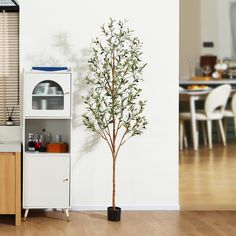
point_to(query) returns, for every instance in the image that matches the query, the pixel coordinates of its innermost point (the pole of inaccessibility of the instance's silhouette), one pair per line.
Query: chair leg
(181, 134)
(222, 132)
(218, 133)
(225, 126)
(185, 140)
(197, 134)
(204, 133)
(209, 133)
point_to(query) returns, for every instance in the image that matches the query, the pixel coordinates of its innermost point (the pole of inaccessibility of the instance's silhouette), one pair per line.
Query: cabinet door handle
(65, 180)
(66, 93)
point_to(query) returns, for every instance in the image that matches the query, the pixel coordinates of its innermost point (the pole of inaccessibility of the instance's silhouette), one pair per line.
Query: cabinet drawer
(46, 181)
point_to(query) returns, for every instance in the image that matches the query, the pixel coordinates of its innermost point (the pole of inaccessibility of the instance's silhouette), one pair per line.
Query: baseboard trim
(128, 208)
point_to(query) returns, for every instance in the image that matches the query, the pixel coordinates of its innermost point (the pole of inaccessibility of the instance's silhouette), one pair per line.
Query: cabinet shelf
(48, 118)
(47, 95)
(56, 154)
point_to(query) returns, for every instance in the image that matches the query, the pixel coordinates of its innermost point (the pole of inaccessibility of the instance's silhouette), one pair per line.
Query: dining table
(192, 96)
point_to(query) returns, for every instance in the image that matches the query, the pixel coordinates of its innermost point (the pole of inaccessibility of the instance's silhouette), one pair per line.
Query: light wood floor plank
(145, 223)
(208, 178)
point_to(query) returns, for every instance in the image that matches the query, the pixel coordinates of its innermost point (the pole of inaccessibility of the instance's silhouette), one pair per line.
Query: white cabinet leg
(67, 214)
(26, 214)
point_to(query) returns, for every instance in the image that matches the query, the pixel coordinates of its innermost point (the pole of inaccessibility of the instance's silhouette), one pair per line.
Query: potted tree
(114, 108)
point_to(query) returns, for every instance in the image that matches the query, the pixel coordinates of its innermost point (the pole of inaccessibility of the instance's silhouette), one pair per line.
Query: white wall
(224, 34)
(56, 32)
(209, 25)
(10, 133)
(215, 26)
(190, 37)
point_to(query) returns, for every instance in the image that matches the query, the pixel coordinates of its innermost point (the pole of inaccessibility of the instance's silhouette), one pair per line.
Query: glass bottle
(41, 143)
(198, 70)
(37, 144)
(31, 142)
(48, 137)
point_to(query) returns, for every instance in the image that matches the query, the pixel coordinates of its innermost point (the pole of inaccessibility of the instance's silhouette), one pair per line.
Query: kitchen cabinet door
(46, 181)
(7, 183)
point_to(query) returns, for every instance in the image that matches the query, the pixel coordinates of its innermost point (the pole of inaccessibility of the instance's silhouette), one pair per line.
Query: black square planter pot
(113, 215)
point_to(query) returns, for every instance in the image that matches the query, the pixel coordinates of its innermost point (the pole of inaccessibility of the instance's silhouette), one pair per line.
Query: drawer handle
(65, 180)
(66, 93)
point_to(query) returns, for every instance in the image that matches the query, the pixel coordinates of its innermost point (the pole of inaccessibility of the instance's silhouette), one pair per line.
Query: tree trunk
(113, 181)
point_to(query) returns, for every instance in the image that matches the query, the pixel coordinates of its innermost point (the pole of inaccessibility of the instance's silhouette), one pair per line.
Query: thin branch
(104, 135)
(105, 78)
(126, 140)
(109, 135)
(109, 145)
(121, 142)
(118, 127)
(109, 132)
(121, 81)
(100, 134)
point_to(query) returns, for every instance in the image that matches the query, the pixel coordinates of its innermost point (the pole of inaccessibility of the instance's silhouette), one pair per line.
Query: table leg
(193, 122)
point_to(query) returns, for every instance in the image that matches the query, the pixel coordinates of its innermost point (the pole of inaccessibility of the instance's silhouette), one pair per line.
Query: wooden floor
(208, 178)
(168, 223)
(207, 181)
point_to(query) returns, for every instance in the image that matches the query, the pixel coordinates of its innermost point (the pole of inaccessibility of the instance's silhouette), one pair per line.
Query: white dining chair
(185, 140)
(230, 113)
(214, 107)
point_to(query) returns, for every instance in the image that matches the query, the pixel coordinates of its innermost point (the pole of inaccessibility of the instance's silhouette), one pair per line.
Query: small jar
(58, 138)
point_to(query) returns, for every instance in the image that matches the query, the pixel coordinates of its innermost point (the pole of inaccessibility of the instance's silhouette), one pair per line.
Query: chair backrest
(217, 99)
(233, 104)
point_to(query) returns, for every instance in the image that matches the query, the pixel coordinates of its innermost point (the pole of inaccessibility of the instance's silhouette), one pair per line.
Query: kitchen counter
(9, 146)
(209, 82)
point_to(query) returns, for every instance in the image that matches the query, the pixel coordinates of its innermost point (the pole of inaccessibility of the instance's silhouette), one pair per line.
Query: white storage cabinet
(47, 105)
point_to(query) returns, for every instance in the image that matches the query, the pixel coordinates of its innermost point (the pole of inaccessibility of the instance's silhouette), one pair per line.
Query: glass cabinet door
(47, 94)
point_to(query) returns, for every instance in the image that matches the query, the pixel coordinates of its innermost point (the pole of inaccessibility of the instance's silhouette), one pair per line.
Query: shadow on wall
(79, 65)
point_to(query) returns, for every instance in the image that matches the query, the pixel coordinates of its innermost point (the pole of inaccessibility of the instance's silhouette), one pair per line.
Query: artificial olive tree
(114, 108)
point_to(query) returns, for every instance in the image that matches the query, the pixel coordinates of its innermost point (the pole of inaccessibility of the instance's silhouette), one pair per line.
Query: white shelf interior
(54, 126)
